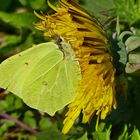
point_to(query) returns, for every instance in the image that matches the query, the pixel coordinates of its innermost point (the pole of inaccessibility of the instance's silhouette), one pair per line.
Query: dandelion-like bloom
(96, 92)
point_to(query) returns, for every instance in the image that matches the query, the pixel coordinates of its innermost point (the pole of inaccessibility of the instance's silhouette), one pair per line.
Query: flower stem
(18, 122)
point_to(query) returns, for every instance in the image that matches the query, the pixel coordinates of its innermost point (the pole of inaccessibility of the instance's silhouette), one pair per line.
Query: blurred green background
(17, 33)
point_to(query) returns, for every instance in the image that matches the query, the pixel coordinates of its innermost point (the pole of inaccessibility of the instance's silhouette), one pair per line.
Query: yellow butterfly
(96, 92)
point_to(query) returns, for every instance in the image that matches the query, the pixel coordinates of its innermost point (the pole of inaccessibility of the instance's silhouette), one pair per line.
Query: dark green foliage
(17, 33)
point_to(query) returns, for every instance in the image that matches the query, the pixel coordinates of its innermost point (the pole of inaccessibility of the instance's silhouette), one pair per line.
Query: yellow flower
(96, 93)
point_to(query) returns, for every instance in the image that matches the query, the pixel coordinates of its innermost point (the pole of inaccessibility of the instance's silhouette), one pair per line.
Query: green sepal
(132, 43)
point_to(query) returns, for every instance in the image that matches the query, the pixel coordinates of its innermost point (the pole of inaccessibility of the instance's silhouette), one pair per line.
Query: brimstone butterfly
(42, 76)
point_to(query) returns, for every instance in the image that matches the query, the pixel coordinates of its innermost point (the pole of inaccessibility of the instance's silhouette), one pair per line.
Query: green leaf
(29, 113)
(23, 2)
(30, 121)
(3, 105)
(84, 137)
(135, 135)
(10, 99)
(11, 39)
(6, 125)
(52, 133)
(102, 135)
(44, 123)
(38, 4)
(96, 6)
(18, 103)
(35, 4)
(45, 77)
(9, 42)
(5, 4)
(18, 20)
(124, 135)
(127, 10)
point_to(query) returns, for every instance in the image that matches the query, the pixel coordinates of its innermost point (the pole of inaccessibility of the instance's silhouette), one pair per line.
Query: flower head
(96, 92)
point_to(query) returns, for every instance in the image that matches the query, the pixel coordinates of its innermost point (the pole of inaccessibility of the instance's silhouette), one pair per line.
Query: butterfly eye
(58, 40)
